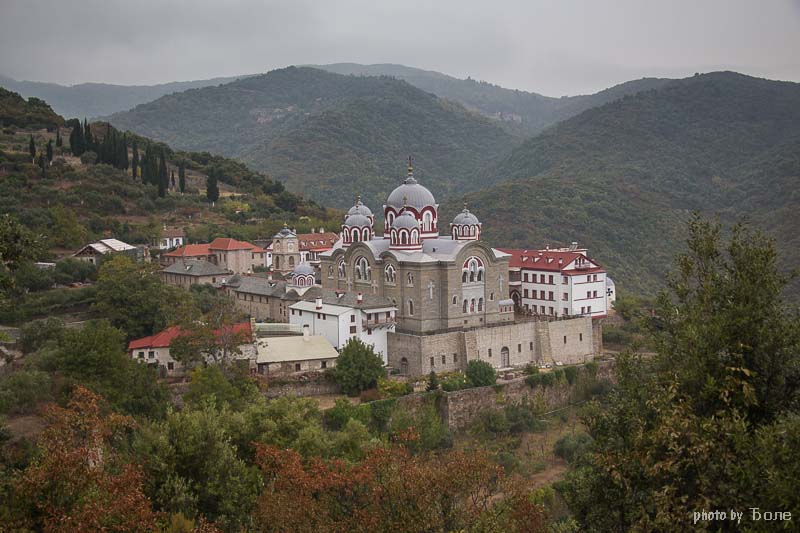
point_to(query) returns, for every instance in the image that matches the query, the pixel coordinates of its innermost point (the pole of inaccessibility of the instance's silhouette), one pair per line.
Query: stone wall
(461, 408)
(299, 389)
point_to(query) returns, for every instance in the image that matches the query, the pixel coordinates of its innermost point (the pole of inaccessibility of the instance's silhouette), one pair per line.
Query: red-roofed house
(240, 257)
(154, 350)
(560, 282)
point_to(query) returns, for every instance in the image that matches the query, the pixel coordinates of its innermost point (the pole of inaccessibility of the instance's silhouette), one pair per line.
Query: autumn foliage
(390, 490)
(78, 482)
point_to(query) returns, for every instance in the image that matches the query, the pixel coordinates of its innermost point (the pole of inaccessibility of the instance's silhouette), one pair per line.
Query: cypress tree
(59, 142)
(182, 176)
(76, 141)
(32, 149)
(163, 176)
(172, 179)
(88, 140)
(135, 159)
(123, 153)
(212, 190)
(50, 151)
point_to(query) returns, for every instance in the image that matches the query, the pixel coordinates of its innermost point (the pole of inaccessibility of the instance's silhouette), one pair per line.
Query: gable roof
(547, 260)
(195, 267)
(317, 241)
(107, 246)
(228, 244)
(294, 348)
(163, 339)
(190, 250)
(173, 232)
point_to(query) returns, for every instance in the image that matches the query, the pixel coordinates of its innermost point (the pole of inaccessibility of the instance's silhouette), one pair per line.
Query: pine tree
(32, 149)
(50, 151)
(212, 190)
(135, 159)
(182, 176)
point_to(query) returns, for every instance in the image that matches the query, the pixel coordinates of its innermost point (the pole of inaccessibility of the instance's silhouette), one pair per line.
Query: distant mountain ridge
(89, 100)
(328, 135)
(522, 111)
(623, 178)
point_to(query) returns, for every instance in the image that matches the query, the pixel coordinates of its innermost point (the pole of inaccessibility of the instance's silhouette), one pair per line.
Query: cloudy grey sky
(553, 47)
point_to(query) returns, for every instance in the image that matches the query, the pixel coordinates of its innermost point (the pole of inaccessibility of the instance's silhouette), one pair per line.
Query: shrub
(88, 158)
(393, 388)
(531, 369)
(358, 368)
(572, 448)
(21, 391)
(494, 421)
(571, 373)
(433, 382)
(548, 379)
(37, 333)
(369, 395)
(454, 382)
(480, 373)
(337, 416)
(521, 418)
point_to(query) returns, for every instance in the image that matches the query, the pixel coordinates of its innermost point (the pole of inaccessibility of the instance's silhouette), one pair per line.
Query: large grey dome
(412, 194)
(405, 221)
(360, 209)
(465, 218)
(303, 269)
(357, 221)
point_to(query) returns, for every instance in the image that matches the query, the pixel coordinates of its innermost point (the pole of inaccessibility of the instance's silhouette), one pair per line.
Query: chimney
(313, 230)
(360, 298)
(306, 332)
(321, 229)
(318, 303)
(269, 276)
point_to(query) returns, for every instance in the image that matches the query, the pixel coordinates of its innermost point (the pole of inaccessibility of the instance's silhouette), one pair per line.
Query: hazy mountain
(623, 178)
(99, 99)
(328, 135)
(521, 111)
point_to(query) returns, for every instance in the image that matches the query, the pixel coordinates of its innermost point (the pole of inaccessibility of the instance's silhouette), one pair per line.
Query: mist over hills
(623, 178)
(98, 99)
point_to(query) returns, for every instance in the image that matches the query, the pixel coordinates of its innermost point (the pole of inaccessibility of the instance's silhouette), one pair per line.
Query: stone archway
(404, 366)
(517, 300)
(505, 359)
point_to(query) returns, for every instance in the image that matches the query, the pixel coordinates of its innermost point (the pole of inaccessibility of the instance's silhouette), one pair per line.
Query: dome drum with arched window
(303, 275)
(405, 233)
(465, 227)
(413, 198)
(357, 225)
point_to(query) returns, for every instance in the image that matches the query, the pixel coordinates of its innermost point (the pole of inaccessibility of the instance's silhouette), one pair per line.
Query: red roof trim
(164, 338)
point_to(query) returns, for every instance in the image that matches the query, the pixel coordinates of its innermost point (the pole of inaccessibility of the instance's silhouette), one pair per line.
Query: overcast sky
(552, 47)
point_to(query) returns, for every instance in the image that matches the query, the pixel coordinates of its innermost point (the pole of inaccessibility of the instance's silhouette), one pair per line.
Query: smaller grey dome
(405, 220)
(285, 232)
(465, 218)
(360, 209)
(357, 221)
(303, 269)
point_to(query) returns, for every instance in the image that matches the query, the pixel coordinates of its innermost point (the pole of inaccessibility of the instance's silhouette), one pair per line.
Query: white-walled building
(562, 282)
(289, 354)
(170, 238)
(341, 316)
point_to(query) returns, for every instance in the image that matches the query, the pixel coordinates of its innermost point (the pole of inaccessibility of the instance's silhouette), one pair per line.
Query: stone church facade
(451, 291)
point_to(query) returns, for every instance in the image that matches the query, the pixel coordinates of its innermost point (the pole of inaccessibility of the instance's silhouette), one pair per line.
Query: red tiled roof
(164, 338)
(546, 260)
(321, 241)
(173, 232)
(159, 340)
(227, 244)
(190, 250)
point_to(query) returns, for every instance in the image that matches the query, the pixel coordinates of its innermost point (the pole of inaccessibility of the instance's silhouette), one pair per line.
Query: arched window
(403, 237)
(471, 276)
(427, 221)
(365, 234)
(414, 237)
(289, 246)
(411, 308)
(480, 275)
(472, 231)
(291, 262)
(330, 271)
(404, 366)
(410, 279)
(341, 268)
(277, 262)
(363, 270)
(455, 299)
(464, 307)
(464, 277)
(389, 274)
(472, 306)
(455, 232)
(480, 304)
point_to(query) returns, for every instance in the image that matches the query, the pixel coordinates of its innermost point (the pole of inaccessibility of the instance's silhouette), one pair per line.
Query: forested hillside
(99, 99)
(328, 135)
(33, 113)
(624, 177)
(520, 111)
